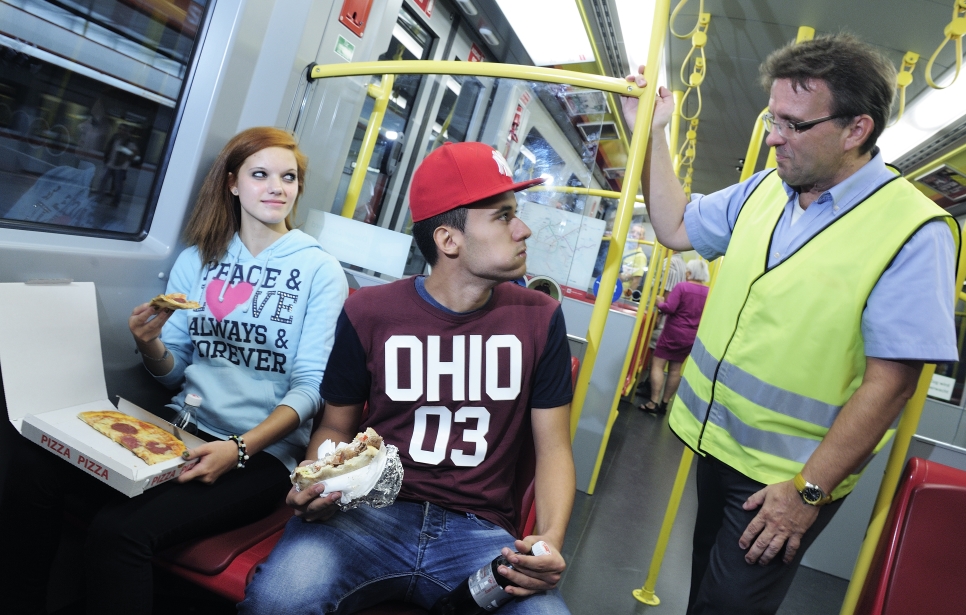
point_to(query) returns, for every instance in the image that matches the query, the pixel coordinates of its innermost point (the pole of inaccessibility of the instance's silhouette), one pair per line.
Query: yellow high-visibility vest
(779, 351)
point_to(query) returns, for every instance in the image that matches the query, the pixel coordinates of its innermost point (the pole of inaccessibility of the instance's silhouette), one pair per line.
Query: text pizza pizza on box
(50, 359)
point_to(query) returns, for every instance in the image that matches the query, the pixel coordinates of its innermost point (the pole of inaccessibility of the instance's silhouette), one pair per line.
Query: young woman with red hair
(254, 351)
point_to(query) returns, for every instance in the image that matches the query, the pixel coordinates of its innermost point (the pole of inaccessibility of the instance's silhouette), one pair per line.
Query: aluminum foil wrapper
(386, 488)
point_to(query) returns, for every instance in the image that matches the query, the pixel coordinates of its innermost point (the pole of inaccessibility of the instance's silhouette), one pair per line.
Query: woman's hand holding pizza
(146, 322)
(214, 459)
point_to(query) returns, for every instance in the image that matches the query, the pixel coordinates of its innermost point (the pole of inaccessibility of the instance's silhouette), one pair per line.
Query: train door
(422, 112)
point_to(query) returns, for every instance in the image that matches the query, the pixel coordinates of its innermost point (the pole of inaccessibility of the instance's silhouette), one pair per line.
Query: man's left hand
(784, 517)
(532, 573)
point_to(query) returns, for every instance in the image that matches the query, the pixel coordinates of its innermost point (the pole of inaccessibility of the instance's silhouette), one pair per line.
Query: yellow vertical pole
(653, 280)
(381, 95)
(897, 458)
(625, 209)
(645, 309)
(754, 147)
(887, 489)
(646, 593)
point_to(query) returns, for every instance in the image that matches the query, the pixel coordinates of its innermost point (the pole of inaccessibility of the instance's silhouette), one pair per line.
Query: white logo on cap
(502, 164)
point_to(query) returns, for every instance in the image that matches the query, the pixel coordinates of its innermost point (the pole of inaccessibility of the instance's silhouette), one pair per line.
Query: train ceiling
(742, 33)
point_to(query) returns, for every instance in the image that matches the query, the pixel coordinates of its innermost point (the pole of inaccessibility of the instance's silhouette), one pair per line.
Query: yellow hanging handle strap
(698, 40)
(674, 15)
(904, 79)
(687, 149)
(953, 31)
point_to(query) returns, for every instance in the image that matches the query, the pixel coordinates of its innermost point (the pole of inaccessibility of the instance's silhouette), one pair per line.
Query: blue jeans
(408, 551)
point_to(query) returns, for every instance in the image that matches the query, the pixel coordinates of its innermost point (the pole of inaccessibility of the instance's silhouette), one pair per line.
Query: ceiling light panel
(931, 112)
(551, 31)
(635, 17)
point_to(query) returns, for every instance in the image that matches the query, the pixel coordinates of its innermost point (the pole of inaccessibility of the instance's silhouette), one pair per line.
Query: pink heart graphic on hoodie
(234, 296)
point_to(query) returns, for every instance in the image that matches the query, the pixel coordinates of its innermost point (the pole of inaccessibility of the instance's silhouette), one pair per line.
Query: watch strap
(801, 485)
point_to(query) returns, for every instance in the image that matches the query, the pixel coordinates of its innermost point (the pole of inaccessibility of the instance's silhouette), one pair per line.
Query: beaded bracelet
(242, 450)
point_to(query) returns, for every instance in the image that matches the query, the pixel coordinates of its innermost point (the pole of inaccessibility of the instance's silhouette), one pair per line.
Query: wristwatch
(811, 494)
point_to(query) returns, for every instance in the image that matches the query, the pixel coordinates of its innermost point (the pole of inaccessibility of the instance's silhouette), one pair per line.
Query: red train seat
(225, 563)
(919, 562)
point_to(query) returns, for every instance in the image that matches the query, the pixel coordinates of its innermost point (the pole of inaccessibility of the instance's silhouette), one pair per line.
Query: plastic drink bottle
(185, 420)
(483, 591)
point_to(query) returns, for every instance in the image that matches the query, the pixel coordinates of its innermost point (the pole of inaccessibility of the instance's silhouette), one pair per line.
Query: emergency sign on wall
(426, 6)
(354, 15)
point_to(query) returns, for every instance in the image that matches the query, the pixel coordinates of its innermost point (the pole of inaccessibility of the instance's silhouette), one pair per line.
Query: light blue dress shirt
(909, 314)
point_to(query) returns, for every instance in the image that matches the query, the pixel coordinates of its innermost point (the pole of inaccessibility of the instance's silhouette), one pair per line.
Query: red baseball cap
(457, 174)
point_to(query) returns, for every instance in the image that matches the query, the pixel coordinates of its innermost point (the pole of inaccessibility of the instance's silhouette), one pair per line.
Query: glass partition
(88, 98)
(950, 377)
(543, 130)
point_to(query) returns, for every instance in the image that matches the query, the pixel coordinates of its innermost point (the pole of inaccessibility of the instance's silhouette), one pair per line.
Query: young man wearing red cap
(469, 376)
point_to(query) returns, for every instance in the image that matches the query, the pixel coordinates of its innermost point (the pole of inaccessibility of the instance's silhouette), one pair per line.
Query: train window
(89, 92)
(948, 382)
(460, 101)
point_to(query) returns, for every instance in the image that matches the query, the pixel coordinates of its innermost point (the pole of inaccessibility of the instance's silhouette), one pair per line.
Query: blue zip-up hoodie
(261, 337)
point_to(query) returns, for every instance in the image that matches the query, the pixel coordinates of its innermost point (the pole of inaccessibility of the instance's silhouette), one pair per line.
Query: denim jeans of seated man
(407, 551)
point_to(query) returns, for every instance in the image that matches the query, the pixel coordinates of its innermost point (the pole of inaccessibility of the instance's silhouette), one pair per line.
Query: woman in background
(683, 308)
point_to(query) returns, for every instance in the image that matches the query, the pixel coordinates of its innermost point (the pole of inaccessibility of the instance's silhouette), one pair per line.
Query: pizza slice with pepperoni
(174, 301)
(147, 441)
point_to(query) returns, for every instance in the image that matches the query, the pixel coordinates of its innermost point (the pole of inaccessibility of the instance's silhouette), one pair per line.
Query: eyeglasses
(786, 127)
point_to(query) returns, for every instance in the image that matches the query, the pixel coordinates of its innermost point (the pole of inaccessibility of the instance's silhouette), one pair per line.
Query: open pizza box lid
(50, 358)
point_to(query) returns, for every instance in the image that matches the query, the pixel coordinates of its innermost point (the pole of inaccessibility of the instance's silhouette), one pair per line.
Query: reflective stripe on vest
(779, 351)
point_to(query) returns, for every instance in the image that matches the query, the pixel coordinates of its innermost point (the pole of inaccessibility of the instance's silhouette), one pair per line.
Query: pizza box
(50, 359)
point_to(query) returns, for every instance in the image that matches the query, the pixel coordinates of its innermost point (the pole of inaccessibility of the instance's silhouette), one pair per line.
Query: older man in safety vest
(837, 286)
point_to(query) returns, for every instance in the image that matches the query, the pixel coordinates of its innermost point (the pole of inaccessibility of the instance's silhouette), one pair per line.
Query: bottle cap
(192, 400)
(540, 548)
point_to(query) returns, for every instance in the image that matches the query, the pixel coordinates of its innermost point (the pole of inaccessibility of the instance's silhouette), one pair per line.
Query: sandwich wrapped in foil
(375, 485)
(387, 486)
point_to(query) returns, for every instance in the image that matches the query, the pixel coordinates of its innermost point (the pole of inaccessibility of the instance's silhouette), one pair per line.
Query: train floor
(612, 534)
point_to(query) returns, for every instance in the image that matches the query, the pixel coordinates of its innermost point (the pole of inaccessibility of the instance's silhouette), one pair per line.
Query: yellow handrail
(635, 159)
(897, 458)
(644, 310)
(381, 94)
(936, 163)
(953, 31)
(754, 147)
(607, 194)
(477, 69)
(625, 209)
(646, 593)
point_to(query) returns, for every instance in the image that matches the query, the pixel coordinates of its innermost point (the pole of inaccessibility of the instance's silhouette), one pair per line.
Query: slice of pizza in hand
(147, 441)
(174, 301)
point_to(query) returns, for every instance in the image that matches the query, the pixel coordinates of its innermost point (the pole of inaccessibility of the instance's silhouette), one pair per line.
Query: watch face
(812, 495)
